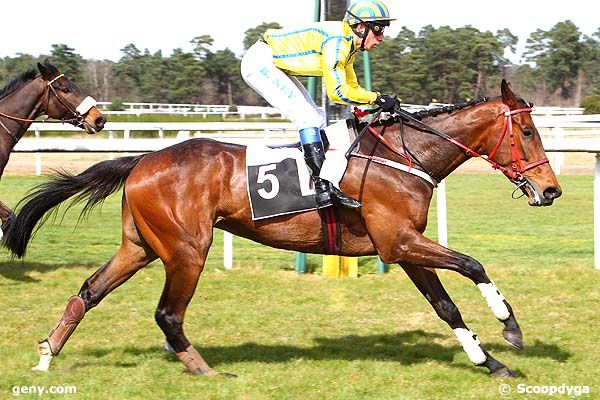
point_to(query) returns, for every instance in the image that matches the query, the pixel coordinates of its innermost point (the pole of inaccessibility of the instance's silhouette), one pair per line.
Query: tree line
(560, 66)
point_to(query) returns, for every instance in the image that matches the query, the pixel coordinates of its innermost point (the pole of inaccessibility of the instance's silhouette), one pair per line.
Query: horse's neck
(25, 103)
(439, 156)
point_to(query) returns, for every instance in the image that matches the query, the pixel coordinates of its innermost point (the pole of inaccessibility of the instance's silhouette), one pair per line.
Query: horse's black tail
(94, 185)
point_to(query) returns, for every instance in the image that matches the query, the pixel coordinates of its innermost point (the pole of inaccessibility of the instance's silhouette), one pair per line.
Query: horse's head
(520, 153)
(65, 100)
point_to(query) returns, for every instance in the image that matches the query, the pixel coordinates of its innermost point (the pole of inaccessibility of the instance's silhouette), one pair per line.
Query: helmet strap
(363, 35)
(357, 33)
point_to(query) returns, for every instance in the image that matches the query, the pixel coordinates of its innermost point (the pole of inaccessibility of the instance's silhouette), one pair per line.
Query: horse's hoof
(227, 375)
(216, 374)
(39, 368)
(515, 339)
(503, 372)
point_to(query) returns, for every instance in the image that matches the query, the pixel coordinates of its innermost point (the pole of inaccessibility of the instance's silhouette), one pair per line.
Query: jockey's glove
(386, 102)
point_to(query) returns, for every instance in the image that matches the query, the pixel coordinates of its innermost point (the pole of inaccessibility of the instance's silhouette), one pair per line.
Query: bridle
(514, 173)
(78, 113)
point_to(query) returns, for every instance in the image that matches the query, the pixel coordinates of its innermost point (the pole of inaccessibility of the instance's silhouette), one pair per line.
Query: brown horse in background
(28, 96)
(173, 199)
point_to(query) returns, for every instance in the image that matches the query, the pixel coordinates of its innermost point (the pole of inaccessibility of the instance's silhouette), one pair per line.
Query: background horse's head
(520, 152)
(64, 100)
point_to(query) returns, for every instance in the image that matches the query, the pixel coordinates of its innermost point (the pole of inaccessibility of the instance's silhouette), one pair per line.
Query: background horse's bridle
(78, 113)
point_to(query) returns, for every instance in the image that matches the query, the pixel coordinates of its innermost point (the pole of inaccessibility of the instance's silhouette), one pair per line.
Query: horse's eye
(66, 89)
(527, 132)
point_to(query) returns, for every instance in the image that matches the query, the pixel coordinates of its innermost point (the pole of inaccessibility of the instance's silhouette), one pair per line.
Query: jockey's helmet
(365, 11)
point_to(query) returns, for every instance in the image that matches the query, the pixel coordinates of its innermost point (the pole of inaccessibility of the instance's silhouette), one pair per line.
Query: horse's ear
(47, 70)
(508, 97)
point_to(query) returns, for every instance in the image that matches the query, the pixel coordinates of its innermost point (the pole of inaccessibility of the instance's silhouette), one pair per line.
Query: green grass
(292, 336)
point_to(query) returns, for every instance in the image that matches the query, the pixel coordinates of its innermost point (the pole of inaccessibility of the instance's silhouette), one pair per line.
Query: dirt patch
(24, 163)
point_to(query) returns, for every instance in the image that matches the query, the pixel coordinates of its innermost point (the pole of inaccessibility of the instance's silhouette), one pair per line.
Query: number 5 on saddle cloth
(279, 182)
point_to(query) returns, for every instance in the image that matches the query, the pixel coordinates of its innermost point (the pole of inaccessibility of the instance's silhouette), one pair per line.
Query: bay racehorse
(174, 197)
(30, 95)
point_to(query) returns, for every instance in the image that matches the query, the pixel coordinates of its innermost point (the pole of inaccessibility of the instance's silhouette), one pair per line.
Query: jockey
(326, 49)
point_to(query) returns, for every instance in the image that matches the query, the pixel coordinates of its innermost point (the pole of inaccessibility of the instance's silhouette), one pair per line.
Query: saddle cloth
(279, 182)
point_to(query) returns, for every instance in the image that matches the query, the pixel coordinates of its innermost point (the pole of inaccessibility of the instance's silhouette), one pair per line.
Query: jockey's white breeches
(282, 91)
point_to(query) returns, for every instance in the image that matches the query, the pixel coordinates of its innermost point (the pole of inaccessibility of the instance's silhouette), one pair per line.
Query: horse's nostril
(100, 121)
(552, 192)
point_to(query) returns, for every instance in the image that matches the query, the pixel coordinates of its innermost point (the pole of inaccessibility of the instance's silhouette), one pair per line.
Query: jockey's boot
(314, 156)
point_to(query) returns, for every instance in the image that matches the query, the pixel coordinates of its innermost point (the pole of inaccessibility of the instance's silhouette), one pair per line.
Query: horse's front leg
(472, 269)
(503, 311)
(415, 249)
(428, 283)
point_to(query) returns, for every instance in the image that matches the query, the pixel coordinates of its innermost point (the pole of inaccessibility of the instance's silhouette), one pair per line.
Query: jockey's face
(372, 40)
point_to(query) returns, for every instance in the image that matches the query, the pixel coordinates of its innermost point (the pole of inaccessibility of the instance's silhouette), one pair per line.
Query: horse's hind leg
(132, 255)
(183, 266)
(6, 214)
(429, 284)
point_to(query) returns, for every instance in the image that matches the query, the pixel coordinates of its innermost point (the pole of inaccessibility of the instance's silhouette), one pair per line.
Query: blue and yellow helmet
(367, 11)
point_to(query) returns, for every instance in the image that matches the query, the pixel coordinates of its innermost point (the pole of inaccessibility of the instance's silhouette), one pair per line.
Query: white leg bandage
(169, 348)
(494, 299)
(470, 344)
(45, 357)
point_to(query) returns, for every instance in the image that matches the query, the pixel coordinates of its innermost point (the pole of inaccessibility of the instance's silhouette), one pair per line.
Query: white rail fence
(243, 112)
(192, 109)
(574, 133)
(555, 126)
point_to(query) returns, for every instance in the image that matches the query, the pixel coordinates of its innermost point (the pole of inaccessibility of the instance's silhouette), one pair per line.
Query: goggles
(376, 28)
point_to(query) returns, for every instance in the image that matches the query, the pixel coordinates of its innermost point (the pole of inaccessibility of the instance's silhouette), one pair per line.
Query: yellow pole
(337, 266)
(340, 267)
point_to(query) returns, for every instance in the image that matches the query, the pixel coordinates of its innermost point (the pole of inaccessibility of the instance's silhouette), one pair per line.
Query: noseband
(78, 113)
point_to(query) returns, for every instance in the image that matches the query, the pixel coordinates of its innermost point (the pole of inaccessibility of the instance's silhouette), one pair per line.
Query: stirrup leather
(322, 193)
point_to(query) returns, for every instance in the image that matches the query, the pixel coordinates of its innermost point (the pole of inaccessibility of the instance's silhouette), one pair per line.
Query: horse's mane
(434, 112)
(18, 82)
(447, 109)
